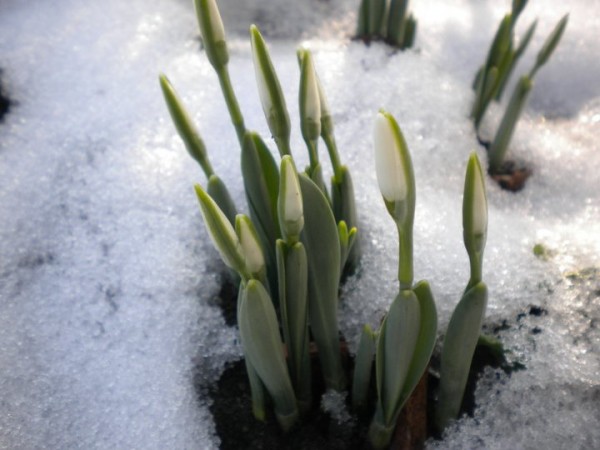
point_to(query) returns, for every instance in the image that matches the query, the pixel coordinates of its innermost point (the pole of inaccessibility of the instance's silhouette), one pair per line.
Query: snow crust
(110, 330)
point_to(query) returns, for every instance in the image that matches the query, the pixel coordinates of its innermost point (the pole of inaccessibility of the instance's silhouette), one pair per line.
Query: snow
(108, 281)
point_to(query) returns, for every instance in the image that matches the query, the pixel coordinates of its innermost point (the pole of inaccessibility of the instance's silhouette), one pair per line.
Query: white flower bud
(391, 174)
(291, 213)
(255, 260)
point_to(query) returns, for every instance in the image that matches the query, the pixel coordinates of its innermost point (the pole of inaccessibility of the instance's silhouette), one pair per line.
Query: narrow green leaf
(550, 44)
(410, 32)
(261, 183)
(320, 238)
(362, 368)
(293, 302)
(344, 209)
(399, 336)
(259, 332)
(397, 21)
(376, 16)
(362, 24)
(507, 127)
(459, 345)
(425, 341)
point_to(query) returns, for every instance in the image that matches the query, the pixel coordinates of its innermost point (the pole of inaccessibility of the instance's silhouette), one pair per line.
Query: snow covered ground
(108, 282)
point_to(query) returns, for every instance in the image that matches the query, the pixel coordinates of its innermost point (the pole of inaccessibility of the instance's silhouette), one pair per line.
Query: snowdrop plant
(404, 342)
(464, 327)
(493, 76)
(388, 20)
(291, 250)
(499, 147)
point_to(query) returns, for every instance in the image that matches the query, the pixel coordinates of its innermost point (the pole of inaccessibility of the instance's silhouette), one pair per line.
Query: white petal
(388, 161)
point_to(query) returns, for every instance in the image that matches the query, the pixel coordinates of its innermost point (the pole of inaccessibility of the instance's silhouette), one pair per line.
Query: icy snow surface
(108, 284)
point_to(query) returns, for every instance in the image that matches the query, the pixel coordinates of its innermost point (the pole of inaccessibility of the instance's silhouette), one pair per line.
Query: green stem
(312, 154)
(232, 104)
(283, 145)
(333, 156)
(475, 261)
(405, 260)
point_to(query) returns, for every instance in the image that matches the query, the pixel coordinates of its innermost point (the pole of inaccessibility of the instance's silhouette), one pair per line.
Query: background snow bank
(108, 287)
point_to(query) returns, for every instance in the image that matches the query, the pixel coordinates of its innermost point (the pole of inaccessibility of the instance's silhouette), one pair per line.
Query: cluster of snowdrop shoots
(299, 239)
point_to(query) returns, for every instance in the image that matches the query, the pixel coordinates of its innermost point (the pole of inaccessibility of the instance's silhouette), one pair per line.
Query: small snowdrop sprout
(269, 89)
(212, 32)
(221, 232)
(493, 76)
(291, 215)
(386, 20)
(253, 254)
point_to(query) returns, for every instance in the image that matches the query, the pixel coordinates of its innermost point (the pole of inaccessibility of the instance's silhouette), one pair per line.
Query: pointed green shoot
(517, 7)
(259, 332)
(185, 127)
(507, 127)
(396, 25)
(289, 203)
(292, 272)
(221, 232)
(347, 241)
(344, 209)
(320, 238)
(362, 24)
(475, 216)
(251, 247)
(410, 31)
(550, 45)
(271, 95)
(362, 368)
(212, 32)
(376, 16)
(457, 353)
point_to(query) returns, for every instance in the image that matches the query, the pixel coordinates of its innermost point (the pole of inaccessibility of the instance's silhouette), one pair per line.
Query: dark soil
(512, 176)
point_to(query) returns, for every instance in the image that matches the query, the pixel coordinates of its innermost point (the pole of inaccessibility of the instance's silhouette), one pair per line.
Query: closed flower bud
(310, 103)
(389, 166)
(255, 260)
(212, 32)
(290, 208)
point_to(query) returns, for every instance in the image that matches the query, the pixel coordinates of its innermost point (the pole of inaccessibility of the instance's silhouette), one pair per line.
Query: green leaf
(397, 341)
(185, 127)
(362, 24)
(550, 44)
(362, 368)
(507, 127)
(261, 183)
(425, 341)
(322, 245)
(397, 21)
(293, 303)
(344, 209)
(376, 16)
(410, 32)
(259, 332)
(459, 345)
(347, 242)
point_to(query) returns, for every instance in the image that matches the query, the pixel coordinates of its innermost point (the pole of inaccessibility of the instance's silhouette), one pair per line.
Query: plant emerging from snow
(291, 251)
(492, 77)
(387, 20)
